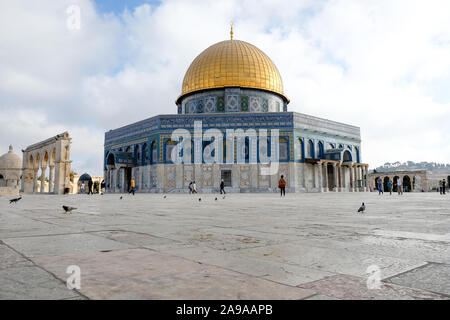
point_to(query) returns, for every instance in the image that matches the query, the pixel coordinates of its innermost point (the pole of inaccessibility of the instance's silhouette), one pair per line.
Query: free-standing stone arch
(54, 154)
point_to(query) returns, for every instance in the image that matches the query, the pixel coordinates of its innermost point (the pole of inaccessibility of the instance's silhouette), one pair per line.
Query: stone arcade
(48, 160)
(234, 85)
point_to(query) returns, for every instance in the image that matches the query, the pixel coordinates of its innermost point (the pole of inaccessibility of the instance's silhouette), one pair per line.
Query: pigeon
(215, 199)
(223, 197)
(165, 197)
(199, 199)
(68, 209)
(362, 208)
(121, 197)
(15, 200)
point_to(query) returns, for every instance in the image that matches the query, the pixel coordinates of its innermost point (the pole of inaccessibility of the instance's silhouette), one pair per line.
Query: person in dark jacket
(90, 184)
(222, 187)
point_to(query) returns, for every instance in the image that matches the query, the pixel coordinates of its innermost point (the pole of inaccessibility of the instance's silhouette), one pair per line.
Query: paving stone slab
(30, 283)
(145, 274)
(433, 277)
(347, 287)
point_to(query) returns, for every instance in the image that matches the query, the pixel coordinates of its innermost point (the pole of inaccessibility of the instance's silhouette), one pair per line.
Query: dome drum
(233, 99)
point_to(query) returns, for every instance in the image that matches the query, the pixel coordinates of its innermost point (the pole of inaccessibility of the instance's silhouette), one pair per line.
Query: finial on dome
(10, 148)
(231, 31)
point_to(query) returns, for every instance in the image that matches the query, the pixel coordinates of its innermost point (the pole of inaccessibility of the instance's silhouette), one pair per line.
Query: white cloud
(381, 65)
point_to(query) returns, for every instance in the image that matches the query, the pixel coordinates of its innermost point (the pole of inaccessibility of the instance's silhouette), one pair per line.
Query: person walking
(282, 186)
(190, 187)
(83, 186)
(222, 187)
(90, 184)
(389, 184)
(133, 186)
(400, 185)
(194, 188)
(102, 187)
(380, 186)
(443, 186)
(440, 186)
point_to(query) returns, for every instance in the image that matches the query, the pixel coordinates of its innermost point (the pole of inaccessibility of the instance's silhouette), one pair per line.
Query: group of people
(442, 186)
(390, 186)
(91, 187)
(192, 187)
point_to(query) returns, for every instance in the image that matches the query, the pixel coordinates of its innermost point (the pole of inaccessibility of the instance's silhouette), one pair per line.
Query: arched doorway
(330, 173)
(385, 183)
(394, 183)
(376, 183)
(2, 181)
(407, 183)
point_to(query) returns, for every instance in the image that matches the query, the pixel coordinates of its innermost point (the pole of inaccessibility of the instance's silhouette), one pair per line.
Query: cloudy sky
(383, 65)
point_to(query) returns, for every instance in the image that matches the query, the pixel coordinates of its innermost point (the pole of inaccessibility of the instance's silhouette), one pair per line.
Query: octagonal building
(233, 124)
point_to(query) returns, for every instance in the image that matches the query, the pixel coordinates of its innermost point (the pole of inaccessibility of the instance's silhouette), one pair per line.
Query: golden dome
(232, 63)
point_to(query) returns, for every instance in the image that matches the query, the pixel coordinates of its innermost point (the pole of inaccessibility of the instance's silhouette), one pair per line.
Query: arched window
(2, 181)
(110, 160)
(321, 153)
(356, 150)
(154, 149)
(170, 145)
(283, 149)
(311, 152)
(145, 155)
(138, 155)
(347, 156)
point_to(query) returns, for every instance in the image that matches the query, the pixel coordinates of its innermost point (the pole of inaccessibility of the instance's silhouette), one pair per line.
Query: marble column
(35, 178)
(352, 179)
(122, 180)
(325, 176)
(43, 179)
(51, 183)
(320, 177)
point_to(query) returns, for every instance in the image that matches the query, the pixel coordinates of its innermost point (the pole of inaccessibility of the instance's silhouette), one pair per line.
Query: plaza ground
(246, 246)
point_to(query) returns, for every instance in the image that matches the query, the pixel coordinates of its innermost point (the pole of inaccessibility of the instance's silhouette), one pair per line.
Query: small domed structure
(10, 169)
(85, 177)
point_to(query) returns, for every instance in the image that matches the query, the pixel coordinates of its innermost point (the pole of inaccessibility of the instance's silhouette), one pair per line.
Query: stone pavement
(246, 246)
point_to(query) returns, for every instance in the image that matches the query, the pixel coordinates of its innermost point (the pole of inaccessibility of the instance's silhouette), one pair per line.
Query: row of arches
(408, 184)
(147, 153)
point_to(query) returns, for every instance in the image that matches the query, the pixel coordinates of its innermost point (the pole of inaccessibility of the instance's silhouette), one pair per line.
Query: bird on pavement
(362, 208)
(199, 199)
(215, 199)
(223, 197)
(15, 200)
(68, 209)
(121, 197)
(165, 197)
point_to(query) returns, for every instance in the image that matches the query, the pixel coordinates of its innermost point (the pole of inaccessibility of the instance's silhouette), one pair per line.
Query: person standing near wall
(222, 187)
(379, 186)
(443, 186)
(102, 187)
(440, 186)
(133, 186)
(282, 186)
(90, 184)
(400, 185)
(389, 184)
